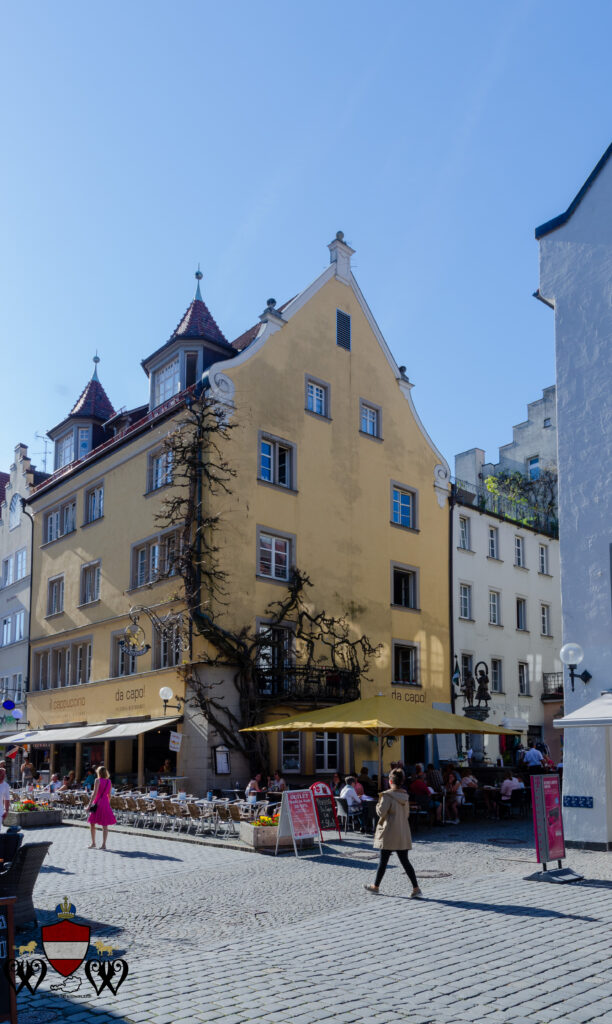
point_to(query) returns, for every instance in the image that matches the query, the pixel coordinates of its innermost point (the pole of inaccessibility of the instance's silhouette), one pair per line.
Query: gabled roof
(557, 222)
(93, 403)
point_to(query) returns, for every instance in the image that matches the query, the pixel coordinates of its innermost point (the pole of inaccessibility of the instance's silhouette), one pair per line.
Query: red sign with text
(302, 811)
(547, 818)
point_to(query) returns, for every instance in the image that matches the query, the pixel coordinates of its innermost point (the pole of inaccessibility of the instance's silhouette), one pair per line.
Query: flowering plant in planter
(30, 805)
(265, 819)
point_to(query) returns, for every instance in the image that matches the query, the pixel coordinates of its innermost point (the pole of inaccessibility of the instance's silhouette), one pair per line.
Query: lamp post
(572, 655)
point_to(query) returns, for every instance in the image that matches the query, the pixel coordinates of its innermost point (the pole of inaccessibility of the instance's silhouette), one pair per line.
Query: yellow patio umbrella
(381, 717)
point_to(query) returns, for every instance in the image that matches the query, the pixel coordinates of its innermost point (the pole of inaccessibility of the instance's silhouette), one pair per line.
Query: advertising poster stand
(548, 829)
(298, 818)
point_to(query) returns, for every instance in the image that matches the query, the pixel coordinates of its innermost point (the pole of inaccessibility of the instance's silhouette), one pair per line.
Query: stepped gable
(4, 479)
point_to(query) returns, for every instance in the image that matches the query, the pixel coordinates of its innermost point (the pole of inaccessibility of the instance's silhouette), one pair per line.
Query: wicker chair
(9, 844)
(19, 880)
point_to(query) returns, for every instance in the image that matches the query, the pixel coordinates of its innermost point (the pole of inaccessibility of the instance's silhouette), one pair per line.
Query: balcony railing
(552, 685)
(518, 512)
(309, 684)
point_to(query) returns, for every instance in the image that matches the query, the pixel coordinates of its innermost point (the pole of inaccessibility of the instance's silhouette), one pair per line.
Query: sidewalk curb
(173, 837)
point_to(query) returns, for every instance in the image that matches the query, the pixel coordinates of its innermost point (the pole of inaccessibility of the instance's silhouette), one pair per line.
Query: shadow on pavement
(593, 883)
(140, 855)
(51, 867)
(507, 909)
(43, 1007)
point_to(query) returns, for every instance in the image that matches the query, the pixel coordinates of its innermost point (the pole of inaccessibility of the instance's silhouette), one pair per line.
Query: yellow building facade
(335, 475)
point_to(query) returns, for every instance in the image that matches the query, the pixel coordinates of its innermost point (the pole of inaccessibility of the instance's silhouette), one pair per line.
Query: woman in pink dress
(103, 814)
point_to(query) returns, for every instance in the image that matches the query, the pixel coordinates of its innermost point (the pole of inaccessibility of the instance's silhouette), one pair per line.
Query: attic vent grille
(343, 330)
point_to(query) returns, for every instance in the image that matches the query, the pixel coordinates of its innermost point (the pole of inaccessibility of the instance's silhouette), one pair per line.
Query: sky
(140, 139)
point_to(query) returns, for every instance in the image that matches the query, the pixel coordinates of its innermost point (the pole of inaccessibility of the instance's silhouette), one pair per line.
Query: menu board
(547, 818)
(298, 818)
(8, 1001)
(325, 806)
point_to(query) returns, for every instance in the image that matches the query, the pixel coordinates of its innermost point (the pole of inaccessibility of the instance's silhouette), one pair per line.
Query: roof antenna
(96, 360)
(47, 444)
(198, 276)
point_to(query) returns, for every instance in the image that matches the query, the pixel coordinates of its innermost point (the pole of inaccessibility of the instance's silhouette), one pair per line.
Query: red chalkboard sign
(325, 806)
(298, 818)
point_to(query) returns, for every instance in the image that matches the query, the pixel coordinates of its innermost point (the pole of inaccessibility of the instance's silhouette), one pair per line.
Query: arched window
(15, 511)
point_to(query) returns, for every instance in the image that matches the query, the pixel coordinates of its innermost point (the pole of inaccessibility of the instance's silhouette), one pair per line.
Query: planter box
(33, 819)
(264, 837)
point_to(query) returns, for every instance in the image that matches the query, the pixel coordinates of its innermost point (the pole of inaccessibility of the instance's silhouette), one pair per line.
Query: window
(159, 469)
(496, 675)
(543, 559)
(403, 507)
(15, 511)
(19, 625)
(125, 663)
(464, 533)
(60, 659)
(60, 521)
(317, 397)
(493, 542)
(7, 571)
(166, 382)
(84, 441)
(547, 421)
(405, 668)
(533, 467)
(64, 450)
(18, 687)
(523, 678)
(465, 601)
(6, 631)
(494, 608)
(20, 564)
(405, 588)
(545, 619)
(343, 330)
(55, 595)
(326, 752)
(191, 366)
(5, 682)
(167, 647)
(370, 419)
(521, 613)
(94, 503)
(290, 751)
(519, 552)
(273, 556)
(41, 670)
(82, 663)
(155, 559)
(467, 665)
(276, 461)
(90, 583)
(274, 657)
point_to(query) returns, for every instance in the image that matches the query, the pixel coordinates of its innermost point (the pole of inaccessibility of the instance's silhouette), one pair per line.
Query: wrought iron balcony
(552, 686)
(325, 685)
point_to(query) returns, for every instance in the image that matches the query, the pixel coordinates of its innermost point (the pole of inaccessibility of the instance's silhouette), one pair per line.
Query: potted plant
(30, 814)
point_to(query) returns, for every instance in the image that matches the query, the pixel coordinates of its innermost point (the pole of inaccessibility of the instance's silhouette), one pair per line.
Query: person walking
(100, 808)
(393, 831)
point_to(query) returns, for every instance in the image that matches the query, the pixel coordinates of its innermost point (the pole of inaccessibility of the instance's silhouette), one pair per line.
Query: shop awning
(128, 730)
(597, 712)
(71, 735)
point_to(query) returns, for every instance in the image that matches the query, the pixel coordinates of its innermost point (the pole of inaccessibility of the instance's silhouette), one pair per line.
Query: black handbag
(93, 807)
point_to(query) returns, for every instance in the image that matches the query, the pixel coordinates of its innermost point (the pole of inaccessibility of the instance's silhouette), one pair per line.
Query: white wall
(576, 275)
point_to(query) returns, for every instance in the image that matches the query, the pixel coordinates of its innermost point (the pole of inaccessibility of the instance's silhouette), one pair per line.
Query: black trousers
(403, 859)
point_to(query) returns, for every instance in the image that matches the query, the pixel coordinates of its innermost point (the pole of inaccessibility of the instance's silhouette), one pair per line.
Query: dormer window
(166, 382)
(64, 450)
(84, 441)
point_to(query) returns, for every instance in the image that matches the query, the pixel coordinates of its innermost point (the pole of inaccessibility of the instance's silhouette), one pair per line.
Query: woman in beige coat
(393, 831)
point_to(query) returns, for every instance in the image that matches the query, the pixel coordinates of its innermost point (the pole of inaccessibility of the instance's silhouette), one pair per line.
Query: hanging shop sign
(176, 738)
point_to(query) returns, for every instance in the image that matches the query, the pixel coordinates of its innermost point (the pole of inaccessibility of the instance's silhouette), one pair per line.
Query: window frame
(173, 382)
(497, 686)
(157, 558)
(330, 758)
(413, 571)
(290, 538)
(543, 560)
(368, 407)
(87, 571)
(467, 587)
(15, 510)
(52, 583)
(519, 551)
(545, 619)
(465, 531)
(277, 445)
(21, 552)
(8, 571)
(533, 468)
(19, 631)
(67, 436)
(413, 647)
(291, 738)
(521, 614)
(59, 514)
(524, 684)
(165, 458)
(395, 485)
(495, 608)
(326, 388)
(493, 542)
(122, 657)
(92, 491)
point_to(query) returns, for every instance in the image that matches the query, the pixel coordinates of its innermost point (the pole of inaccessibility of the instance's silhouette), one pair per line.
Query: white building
(575, 277)
(506, 590)
(15, 574)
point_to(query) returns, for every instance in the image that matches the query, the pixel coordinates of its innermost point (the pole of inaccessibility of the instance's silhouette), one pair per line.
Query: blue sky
(141, 138)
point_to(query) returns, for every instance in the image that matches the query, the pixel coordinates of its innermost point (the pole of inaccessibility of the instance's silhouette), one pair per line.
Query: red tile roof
(198, 323)
(93, 403)
(245, 339)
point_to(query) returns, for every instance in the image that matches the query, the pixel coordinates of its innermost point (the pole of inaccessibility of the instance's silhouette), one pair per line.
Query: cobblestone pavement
(219, 935)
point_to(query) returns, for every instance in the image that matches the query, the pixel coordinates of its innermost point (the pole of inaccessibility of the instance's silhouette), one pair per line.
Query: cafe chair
(20, 878)
(353, 817)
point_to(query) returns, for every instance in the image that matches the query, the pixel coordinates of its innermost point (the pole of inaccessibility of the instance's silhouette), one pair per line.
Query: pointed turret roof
(198, 321)
(93, 403)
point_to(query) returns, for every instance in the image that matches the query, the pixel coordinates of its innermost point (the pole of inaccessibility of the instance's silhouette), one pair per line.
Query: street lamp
(572, 655)
(166, 694)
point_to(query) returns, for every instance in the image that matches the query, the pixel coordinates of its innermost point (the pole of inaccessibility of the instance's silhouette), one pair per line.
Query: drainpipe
(451, 617)
(25, 509)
